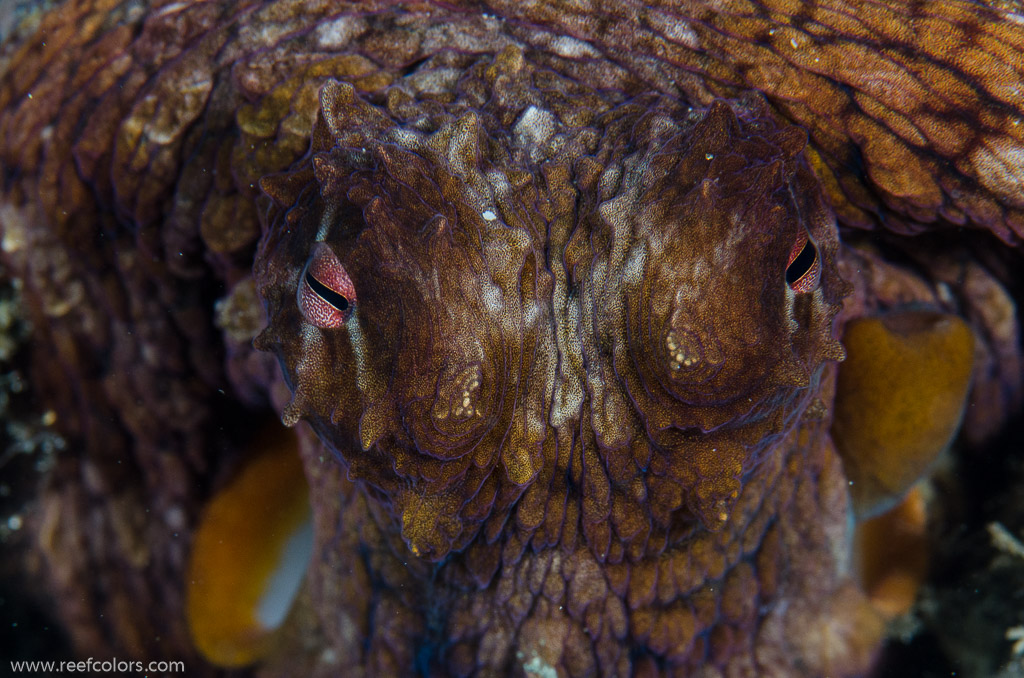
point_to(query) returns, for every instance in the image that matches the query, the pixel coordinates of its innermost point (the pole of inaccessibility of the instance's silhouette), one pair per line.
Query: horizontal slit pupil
(801, 264)
(336, 300)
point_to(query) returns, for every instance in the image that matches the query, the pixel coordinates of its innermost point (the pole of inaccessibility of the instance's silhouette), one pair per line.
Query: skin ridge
(133, 142)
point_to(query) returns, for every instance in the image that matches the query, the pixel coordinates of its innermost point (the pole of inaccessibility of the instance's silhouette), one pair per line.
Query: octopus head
(486, 307)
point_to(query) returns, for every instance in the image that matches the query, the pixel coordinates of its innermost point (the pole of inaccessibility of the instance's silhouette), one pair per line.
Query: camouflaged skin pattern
(530, 198)
(545, 361)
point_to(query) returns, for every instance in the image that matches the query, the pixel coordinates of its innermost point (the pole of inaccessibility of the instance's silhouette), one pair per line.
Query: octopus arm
(915, 109)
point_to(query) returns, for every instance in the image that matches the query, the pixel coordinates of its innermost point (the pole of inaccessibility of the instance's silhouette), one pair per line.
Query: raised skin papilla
(586, 341)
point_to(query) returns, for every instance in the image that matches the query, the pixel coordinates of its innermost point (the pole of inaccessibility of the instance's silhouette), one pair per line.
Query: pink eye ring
(326, 295)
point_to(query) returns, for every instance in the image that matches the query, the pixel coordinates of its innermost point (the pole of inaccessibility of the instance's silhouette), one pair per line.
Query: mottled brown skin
(604, 512)
(550, 267)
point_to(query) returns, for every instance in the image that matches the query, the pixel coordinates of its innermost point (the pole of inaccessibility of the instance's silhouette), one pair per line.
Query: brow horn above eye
(326, 295)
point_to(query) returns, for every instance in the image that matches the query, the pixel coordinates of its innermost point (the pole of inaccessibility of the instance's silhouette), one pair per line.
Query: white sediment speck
(172, 8)
(539, 668)
(1004, 540)
(1016, 633)
(488, 215)
(174, 517)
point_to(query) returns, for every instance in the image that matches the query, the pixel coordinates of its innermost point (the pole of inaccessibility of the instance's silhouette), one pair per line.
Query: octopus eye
(326, 295)
(803, 267)
(335, 299)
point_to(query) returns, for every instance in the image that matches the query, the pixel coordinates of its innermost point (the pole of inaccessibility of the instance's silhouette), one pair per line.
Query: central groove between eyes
(801, 264)
(336, 300)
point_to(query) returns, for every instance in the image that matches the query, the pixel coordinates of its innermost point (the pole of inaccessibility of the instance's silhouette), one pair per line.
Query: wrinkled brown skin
(604, 512)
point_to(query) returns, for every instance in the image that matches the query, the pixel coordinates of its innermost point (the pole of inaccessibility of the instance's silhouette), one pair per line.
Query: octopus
(596, 328)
